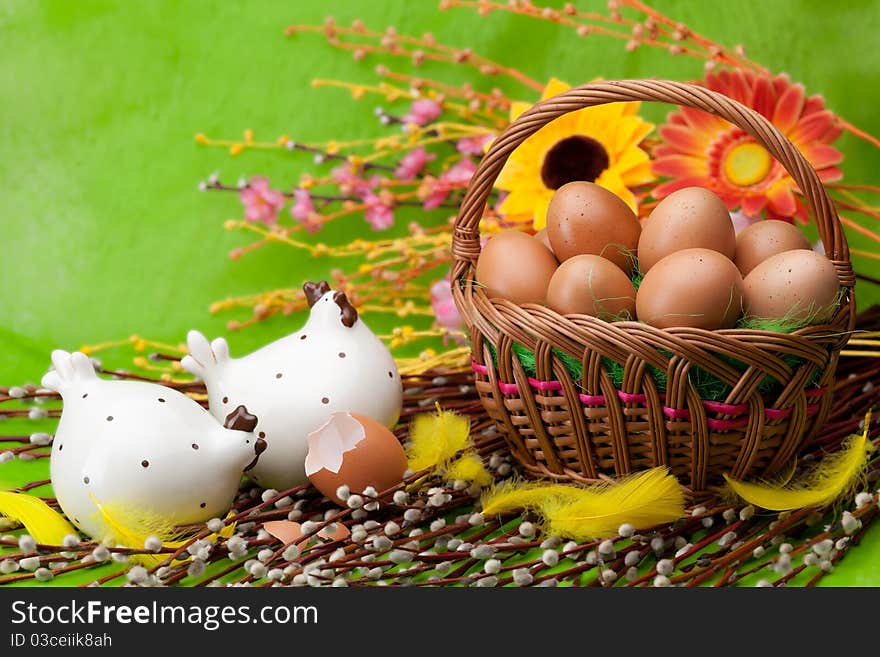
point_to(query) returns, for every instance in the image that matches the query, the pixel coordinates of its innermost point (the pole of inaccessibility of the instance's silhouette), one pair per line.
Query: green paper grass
(707, 385)
(790, 322)
(636, 276)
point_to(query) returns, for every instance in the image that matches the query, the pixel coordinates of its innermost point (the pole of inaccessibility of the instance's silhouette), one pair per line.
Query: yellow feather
(436, 438)
(469, 467)
(227, 531)
(131, 528)
(643, 500)
(831, 478)
(515, 495)
(46, 525)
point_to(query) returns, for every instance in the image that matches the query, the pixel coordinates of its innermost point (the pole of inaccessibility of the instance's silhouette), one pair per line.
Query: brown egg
(765, 239)
(355, 451)
(590, 285)
(516, 267)
(798, 285)
(699, 288)
(544, 239)
(584, 218)
(691, 218)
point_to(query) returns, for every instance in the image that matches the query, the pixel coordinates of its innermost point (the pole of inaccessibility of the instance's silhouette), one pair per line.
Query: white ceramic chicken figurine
(334, 363)
(141, 447)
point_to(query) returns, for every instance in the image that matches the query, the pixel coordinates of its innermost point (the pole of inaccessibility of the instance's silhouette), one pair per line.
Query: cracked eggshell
(355, 451)
(286, 531)
(290, 531)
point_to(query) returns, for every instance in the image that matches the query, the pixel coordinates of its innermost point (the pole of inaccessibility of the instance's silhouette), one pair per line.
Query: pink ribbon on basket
(672, 413)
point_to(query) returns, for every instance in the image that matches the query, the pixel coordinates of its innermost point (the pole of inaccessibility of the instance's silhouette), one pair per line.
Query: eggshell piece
(286, 531)
(586, 219)
(290, 531)
(690, 218)
(765, 239)
(515, 266)
(590, 285)
(335, 531)
(355, 451)
(697, 288)
(797, 285)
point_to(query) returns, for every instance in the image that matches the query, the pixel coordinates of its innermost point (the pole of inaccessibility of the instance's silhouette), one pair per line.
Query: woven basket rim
(465, 240)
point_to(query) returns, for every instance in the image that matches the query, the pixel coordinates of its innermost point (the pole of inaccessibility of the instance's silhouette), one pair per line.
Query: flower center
(747, 164)
(574, 158)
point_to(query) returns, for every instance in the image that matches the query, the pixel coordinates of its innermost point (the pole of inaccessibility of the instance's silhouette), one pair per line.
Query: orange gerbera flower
(703, 150)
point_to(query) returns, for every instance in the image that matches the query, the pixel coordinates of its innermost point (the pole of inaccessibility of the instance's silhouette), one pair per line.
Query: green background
(104, 234)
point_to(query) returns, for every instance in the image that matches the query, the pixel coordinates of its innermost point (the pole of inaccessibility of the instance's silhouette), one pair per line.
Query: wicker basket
(586, 429)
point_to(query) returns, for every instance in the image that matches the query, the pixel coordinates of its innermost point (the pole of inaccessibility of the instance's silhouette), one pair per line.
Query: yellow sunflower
(598, 144)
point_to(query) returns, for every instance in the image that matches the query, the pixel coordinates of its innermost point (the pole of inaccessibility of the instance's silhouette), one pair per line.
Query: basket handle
(466, 237)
